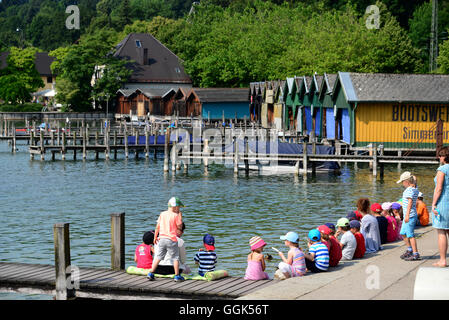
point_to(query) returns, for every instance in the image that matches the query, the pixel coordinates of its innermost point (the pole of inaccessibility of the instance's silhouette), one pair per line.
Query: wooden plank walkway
(101, 282)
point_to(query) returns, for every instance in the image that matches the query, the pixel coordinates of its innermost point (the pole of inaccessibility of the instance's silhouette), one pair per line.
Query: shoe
(406, 254)
(150, 276)
(413, 257)
(178, 278)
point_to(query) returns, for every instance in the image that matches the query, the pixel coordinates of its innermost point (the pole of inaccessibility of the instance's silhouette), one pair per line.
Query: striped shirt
(410, 193)
(299, 263)
(321, 255)
(206, 260)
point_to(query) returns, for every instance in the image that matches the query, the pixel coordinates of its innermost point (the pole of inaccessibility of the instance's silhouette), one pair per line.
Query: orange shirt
(423, 213)
(168, 224)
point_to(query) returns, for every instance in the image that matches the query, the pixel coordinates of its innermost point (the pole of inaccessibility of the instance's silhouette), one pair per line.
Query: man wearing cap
(165, 237)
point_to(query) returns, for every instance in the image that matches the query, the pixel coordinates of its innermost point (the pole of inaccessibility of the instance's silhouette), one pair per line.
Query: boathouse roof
(382, 87)
(222, 94)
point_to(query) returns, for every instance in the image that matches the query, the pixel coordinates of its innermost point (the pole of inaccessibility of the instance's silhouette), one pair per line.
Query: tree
(78, 66)
(20, 78)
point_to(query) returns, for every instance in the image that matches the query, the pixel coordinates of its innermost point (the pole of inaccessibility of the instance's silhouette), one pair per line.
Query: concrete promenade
(380, 276)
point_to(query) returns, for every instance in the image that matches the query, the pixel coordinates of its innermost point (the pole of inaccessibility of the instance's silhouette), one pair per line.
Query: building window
(177, 70)
(138, 44)
(49, 79)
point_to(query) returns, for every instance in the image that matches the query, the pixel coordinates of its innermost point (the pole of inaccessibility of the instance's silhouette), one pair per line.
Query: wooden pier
(103, 283)
(67, 281)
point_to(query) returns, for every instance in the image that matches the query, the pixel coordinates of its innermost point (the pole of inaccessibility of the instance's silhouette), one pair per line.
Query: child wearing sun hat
(294, 265)
(256, 261)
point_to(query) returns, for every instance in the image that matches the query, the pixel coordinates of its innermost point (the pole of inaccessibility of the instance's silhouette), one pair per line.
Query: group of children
(362, 231)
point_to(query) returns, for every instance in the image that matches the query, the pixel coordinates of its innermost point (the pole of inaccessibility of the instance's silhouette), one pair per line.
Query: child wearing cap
(348, 242)
(376, 208)
(294, 265)
(392, 227)
(143, 254)
(355, 230)
(421, 209)
(397, 211)
(332, 245)
(409, 197)
(317, 259)
(206, 260)
(165, 236)
(256, 262)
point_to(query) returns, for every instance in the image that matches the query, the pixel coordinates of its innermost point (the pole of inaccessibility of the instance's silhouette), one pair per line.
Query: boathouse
(219, 103)
(329, 113)
(156, 73)
(398, 111)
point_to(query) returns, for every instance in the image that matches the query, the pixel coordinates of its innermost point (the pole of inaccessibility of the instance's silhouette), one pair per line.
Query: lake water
(36, 194)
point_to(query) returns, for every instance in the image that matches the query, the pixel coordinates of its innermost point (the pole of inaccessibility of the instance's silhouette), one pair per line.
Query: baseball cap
(386, 205)
(395, 206)
(375, 207)
(209, 242)
(420, 195)
(354, 224)
(405, 176)
(314, 235)
(175, 202)
(330, 226)
(351, 216)
(343, 222)
(290, 236)
(256, 243)
(324, 229)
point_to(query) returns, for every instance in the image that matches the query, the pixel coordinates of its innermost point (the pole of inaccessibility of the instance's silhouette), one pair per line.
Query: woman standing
(440, 205)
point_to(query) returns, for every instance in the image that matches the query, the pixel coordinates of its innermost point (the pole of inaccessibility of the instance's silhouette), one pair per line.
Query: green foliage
(77, 67)
(20, 78)
(27, 107)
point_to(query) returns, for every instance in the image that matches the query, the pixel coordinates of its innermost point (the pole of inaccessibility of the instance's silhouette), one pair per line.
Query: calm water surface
(34, 195)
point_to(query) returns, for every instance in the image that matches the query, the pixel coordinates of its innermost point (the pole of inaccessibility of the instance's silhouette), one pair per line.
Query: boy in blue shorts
(407, 231)
(317, 259)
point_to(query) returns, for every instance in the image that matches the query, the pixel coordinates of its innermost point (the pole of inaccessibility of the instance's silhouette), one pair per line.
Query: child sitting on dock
(348, 242)
(165, 237)
(360, 249)
(332, 245)
(256, 261)
(392, 228)
(143, 255)
(376, 208)
(409, 198)
(423, 213)
(294, 265)
(317, 259)
(206, 260)
(369, 226)
(398, 215)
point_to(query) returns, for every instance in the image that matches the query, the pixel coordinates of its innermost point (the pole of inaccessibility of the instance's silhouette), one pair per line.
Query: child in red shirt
(335, 252)
(144, 252)
(355, 229)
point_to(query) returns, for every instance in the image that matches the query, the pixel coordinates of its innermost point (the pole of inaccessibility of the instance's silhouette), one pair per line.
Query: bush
(27, 107)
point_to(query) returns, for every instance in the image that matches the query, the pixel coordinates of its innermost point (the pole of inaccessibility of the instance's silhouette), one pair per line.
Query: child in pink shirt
(392, 228)
(144, 252)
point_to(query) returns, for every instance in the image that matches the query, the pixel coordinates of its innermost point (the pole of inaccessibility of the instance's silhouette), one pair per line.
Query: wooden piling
(246, 154)
(126, 144)
(147, 144)
(62, 262)
(118, 241)
(63, 149)
(42, 145)
(166, 154)
(304, 158)
(236, 156)
(14, 139)
(375, 160)
(206, 154)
